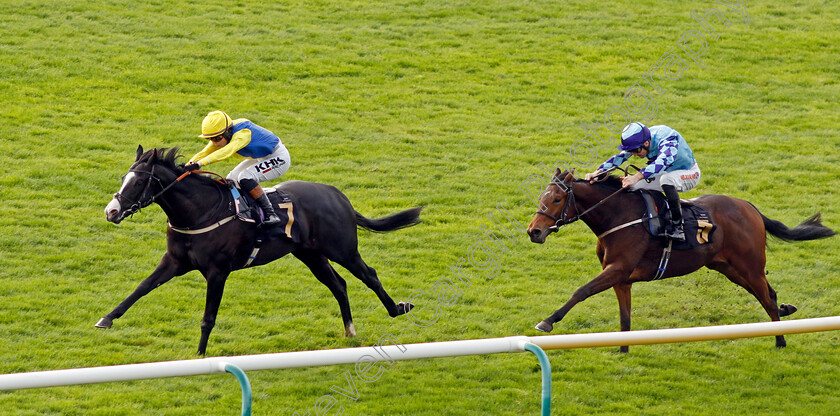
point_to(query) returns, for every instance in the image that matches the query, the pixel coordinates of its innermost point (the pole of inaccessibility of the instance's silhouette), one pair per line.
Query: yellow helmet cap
(215, 124)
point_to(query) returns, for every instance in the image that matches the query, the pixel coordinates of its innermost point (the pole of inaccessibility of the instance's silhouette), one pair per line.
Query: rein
(139, 204)
(221, 181)
(570, 197)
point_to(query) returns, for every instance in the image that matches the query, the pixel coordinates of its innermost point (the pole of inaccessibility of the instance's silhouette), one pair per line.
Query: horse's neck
(191, 202)
(615, 211)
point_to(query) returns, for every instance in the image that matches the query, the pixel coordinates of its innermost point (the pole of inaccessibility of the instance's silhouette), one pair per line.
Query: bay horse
(202, 234)
(630, 254)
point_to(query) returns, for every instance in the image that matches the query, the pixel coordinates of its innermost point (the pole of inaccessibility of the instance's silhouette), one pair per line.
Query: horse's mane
(163, 156)
(168, 158)
(610, 183)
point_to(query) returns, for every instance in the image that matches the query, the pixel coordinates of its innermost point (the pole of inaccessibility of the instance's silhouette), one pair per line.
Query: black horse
(203, 236)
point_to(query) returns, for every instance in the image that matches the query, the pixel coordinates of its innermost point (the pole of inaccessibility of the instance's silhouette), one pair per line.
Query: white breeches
(263, 169)
(683, 180)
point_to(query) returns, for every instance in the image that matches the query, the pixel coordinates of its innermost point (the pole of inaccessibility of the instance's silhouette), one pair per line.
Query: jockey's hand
(592, 176)
(631, 180)
(191, 166)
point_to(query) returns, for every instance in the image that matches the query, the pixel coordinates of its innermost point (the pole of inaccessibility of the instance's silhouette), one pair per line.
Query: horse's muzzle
(538, 236)
(114, 212)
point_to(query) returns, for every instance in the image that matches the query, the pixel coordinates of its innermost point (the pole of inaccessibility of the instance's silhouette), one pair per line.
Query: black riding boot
(271, 217)
(676, 231)
(253, 188)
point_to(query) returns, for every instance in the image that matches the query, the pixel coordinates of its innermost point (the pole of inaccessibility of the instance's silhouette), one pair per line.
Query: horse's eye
(557, 200)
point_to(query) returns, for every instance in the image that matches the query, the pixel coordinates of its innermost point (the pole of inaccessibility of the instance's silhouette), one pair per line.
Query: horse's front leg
(215, 288)
(622, 292)
(165, 271)
(608, 278)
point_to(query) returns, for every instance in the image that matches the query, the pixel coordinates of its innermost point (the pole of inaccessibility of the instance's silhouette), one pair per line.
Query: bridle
(563, 217)
(135, 206)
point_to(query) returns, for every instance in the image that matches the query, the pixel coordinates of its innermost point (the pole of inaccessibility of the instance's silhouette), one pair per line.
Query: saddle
(697, 222)
(249, 211)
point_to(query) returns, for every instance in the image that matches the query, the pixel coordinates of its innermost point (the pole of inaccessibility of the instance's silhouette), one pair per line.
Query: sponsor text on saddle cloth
(284, 207)
(696, 220)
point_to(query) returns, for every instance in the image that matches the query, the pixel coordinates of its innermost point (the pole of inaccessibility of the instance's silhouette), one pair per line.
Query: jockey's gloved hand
(191, 166)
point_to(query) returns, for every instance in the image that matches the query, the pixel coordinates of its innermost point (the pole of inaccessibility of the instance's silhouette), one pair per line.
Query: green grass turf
(449, 105)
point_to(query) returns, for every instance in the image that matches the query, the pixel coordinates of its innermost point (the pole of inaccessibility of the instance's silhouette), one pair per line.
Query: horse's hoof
(404, 307)
(104, 323)
(544, 326)
(786, 309)
(350, 331)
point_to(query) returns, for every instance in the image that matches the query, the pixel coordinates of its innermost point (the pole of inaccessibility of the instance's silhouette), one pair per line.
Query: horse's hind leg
(324, 272)
(763, 294)
(367, 275)
(756, 284)
(784, 308)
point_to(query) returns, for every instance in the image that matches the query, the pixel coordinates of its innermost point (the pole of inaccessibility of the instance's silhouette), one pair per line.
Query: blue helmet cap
(634, 136)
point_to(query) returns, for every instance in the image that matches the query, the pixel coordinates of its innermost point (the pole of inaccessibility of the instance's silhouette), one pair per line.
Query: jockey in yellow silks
(265, 156)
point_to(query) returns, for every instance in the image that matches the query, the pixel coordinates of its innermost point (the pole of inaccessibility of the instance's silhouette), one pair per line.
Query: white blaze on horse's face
(113, 209)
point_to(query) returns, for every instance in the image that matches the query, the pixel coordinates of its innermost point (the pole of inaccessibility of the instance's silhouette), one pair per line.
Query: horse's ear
(139, 152)
(561, 175)
(569, 177)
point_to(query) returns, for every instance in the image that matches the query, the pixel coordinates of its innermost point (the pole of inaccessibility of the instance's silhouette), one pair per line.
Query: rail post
(545, 366)
(244, 384)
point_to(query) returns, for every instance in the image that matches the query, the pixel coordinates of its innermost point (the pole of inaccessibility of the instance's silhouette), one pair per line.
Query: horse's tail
(392, 222)
(810, 229)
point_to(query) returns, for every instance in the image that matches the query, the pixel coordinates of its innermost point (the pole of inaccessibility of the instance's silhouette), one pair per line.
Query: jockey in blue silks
(671, 166)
